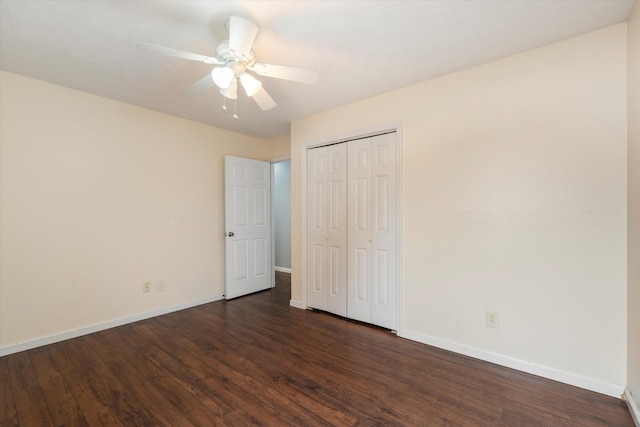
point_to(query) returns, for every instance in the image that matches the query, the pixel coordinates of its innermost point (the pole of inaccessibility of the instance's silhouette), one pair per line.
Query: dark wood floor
(255, 360)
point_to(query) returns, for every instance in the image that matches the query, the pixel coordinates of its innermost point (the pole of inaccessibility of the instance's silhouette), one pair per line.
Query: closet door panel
(317, 229)
(334, 269)
(380, 279)
(384, 232)
(318, 267)
(362, 269)
(337, 229)
(359, 231)
(326, 233)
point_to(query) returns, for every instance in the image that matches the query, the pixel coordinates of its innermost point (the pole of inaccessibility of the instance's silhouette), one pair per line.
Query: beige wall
(514, 200)
(280, 148)
(633, 296)
(98, 197)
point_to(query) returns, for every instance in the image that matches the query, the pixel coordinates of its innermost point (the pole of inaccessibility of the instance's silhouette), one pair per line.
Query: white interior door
(248, 262)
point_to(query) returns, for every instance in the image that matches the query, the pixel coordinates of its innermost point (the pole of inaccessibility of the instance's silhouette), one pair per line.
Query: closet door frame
(363, 133)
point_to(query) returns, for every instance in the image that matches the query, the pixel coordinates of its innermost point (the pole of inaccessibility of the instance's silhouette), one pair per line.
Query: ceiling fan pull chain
(224, 102)
(235, 108)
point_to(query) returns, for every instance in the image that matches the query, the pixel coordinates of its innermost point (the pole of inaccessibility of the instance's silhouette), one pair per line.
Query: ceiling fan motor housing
(225, 54)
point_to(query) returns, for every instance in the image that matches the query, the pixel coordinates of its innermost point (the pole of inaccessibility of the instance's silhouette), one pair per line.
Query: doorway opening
(282, 215)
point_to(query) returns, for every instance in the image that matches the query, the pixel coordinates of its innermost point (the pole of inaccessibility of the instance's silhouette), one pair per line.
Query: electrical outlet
(146, 287)
(160, 286)
(492, 319)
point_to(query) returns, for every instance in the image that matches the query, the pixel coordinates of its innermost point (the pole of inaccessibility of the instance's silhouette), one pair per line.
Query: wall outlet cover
(492, 319)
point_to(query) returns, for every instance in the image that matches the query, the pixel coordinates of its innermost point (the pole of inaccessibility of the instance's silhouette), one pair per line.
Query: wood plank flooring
(257, 361)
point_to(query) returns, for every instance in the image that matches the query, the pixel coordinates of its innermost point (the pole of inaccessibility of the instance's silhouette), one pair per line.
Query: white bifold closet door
(327, 228)
(352, 230)
(372, 290)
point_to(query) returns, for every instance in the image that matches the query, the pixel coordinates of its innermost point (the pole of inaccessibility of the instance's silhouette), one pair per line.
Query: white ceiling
(359, 48)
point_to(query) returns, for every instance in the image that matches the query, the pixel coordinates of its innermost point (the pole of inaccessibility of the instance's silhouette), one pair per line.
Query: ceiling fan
(234, 59)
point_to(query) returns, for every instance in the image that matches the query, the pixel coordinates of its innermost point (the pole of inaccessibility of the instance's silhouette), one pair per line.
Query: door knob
(230, 234)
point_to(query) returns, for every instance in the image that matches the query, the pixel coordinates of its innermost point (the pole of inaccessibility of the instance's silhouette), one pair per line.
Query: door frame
(357, 134)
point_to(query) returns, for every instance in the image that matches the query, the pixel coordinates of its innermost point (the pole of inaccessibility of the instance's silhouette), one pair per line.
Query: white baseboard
(297, 304)
(633, 407)
(38, 342)
(609, 389)
(282, 269)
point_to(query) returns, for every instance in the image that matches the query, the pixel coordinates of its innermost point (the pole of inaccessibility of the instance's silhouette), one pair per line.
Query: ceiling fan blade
(242, 33)
(295, 74)
(264, 100)
(167, 51)
(202, 85)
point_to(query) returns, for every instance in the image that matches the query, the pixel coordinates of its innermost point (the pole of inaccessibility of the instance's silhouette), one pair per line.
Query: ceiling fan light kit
(234, 58)
(231, 91)
(222, 77)
(250, 84)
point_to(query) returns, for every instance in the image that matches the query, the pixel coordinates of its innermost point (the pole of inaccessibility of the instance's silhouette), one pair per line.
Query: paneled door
(372, 231)
(327, 228)
(248, 266)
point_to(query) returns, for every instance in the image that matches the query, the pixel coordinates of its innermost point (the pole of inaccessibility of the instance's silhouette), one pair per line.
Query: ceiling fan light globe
(250, 84)
(222, 77)
(231, 91)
